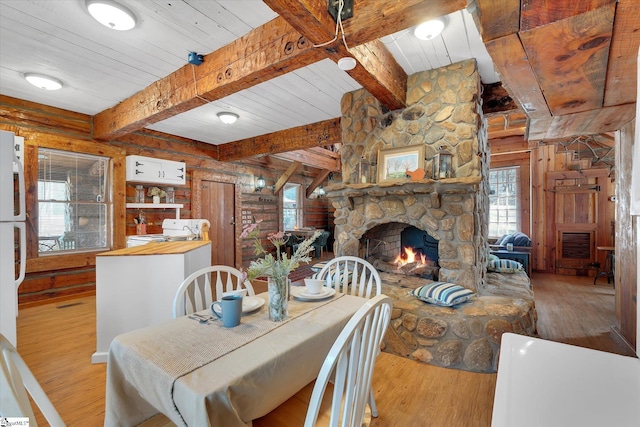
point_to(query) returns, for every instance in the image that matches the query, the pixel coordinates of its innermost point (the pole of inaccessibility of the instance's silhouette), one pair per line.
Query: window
(504, 211)
(292, 206)
(73, 202)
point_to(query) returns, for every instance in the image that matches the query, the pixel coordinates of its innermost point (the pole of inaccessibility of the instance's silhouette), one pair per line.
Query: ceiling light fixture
(228, 118)
(430, 30)
(43, 82)
(111, 14)
(347, 63)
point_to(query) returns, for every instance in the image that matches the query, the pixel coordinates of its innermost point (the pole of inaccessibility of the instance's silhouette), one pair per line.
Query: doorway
(216, 198)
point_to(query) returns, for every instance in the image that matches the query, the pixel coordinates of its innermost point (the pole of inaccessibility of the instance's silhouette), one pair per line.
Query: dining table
(203, 374)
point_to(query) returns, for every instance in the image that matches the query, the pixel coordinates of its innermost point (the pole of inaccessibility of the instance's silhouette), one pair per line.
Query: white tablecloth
(234, 388)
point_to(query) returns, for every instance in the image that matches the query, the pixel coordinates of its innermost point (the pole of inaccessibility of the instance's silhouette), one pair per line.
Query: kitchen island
(135, 286)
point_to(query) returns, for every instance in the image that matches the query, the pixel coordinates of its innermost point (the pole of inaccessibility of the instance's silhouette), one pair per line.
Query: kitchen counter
(159, 248)
(135, 286)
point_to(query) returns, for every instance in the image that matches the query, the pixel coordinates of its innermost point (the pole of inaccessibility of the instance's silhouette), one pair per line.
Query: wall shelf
(176, 206)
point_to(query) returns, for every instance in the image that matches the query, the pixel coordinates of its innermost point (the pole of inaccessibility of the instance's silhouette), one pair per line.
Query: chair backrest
(349, 365)
(16, 379)
(352, 275)
(322, 239)
(197, 291)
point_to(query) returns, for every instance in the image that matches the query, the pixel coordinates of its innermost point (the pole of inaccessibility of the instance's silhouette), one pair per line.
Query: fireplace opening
(401, 249)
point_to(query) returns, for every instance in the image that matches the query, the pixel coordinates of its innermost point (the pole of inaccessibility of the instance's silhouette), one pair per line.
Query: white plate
(249, 304)
(302, 294)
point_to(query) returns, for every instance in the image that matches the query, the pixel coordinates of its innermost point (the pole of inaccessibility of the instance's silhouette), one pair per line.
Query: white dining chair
(197, 291)
(352, 275)
(355, 276)
(17, 383)
(350, 364)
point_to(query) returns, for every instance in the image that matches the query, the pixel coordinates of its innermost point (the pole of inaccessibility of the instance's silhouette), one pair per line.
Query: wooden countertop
(159, 248)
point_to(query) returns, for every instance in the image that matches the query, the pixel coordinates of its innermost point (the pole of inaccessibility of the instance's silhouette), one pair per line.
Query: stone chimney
(443, 110)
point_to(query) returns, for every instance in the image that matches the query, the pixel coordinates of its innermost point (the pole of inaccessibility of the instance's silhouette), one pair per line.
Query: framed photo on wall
(393, 163)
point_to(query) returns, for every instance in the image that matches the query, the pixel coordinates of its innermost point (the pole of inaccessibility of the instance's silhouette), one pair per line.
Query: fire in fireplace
(402, 249)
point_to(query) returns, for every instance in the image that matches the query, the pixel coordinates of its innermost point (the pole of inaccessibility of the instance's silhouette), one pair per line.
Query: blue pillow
(442, 293)
(502, 241)
(504, 266)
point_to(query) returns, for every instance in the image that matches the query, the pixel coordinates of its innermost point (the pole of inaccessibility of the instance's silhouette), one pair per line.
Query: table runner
(158, 356)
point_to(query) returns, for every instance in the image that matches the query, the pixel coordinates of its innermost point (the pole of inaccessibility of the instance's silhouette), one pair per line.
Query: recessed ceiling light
(111, 14)
(42, 81)
(429, 30)
(347, 63)
(227, 117)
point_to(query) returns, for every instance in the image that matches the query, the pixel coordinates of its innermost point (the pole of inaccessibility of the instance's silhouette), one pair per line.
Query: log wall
(56, 276)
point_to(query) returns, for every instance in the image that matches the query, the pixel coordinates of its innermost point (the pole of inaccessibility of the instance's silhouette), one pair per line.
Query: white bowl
(241, 292)
(314, 286)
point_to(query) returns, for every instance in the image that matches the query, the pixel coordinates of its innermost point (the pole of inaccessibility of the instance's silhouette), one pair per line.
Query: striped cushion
(442, 293)
(504, 266)
(318, 266)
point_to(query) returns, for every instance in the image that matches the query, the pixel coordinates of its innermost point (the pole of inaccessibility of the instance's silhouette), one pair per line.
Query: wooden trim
(197, 176)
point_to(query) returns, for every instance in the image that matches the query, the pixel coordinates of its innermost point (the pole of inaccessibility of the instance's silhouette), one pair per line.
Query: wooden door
(218, 206)
(577, 205)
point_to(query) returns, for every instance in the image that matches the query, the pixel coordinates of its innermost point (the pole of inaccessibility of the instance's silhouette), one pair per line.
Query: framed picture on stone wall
(394, 163)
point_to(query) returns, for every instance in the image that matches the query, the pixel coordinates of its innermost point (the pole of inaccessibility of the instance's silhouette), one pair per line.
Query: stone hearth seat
(466, 336)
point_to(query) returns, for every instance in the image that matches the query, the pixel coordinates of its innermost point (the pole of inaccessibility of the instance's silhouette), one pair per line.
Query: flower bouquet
(156, 193)
(276, 268)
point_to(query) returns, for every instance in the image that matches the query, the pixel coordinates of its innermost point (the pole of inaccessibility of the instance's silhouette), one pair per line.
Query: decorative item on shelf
(141, 223)
(156, 193)
(139, 198)
(171, 195)
(364, 168)
(393, 163)
(276, 268)
(442, 164)
(416, 175)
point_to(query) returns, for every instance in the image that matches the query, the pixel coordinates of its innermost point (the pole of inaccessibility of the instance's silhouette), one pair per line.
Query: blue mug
(228, 309)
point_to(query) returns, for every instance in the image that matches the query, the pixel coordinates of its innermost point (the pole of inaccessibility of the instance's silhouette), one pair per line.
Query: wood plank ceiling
(570, 65)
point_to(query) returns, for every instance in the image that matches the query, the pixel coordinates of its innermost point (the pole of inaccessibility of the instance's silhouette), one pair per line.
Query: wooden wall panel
(546, 160)
(627, 234)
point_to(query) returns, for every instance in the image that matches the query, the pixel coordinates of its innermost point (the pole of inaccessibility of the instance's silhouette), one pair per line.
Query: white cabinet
(155, 171)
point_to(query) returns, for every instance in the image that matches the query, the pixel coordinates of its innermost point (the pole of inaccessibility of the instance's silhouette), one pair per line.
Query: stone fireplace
(443, 111)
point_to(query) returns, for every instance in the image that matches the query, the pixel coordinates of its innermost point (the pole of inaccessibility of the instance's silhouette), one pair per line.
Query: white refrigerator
(12, 234)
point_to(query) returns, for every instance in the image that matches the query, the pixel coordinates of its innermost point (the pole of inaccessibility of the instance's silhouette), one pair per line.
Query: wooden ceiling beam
(374, 19)
(376, 70)
(273, 49)
(285, 176)
(518, 77)
(319, 178)
(580, 46)
(607, 119)
(620, 87)
(497, 18)
(314, 135)
(314, 159)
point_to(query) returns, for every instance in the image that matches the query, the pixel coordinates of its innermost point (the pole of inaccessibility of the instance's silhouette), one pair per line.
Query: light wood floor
(58, 339)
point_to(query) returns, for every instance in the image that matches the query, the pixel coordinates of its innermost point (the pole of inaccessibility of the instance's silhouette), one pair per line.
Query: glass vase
(278, 288)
